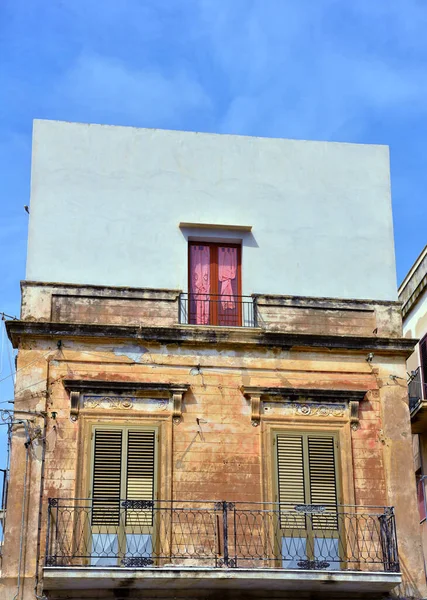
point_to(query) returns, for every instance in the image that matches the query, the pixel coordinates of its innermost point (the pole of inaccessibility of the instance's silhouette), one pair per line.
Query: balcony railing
(216, 309)
(156, 534)
(415, 389)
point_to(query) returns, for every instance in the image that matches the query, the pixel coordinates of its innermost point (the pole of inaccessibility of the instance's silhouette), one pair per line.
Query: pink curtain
(227, 270)
(200, 281)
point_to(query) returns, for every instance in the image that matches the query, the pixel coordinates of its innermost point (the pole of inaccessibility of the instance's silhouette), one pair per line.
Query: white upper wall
(106, 203)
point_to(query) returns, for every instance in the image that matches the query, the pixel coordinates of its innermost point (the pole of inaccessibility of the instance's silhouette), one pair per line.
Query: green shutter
(290, 466)
(140, 473)
(107, 470)
(323, 484)
(307, 475)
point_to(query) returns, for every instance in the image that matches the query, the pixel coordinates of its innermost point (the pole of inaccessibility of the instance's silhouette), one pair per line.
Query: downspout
(40, 516)
(24, 499)
(39, 521)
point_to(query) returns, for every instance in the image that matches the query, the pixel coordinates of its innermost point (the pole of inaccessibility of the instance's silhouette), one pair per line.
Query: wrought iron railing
(415, 389)
(216, 309)
(223, 534)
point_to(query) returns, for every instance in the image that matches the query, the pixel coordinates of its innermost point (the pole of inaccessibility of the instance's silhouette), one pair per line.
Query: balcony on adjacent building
(417, 402)
(223, 544)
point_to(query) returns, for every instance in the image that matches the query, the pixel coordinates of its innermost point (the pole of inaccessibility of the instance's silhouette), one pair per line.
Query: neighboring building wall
(223, 457)
(106, 204)
(413, 295)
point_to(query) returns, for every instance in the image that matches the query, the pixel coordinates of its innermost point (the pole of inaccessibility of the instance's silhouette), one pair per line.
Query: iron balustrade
(415, 389)
(155, 534)
(217, 309)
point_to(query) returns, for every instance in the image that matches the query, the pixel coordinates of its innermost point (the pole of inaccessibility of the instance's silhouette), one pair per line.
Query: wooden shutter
(290, 474)
(140, 473)
(323, 484)
(107, 469)
(306, 475)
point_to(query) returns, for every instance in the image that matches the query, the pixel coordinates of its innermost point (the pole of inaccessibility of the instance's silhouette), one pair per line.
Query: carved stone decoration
(107, 402)
(319, 410)
(354, 414)
(75, 405)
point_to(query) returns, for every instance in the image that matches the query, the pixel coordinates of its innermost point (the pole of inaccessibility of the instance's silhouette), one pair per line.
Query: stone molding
(301, 399)
(112, 390)
(192, 334)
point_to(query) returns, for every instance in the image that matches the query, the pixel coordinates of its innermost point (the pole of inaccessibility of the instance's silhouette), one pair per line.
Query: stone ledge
(57, 578)
(192, 334)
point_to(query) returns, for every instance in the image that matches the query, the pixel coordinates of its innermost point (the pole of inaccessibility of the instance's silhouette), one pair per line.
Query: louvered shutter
(107, 470)
(140, 474)
(290, 466)
(323, 484)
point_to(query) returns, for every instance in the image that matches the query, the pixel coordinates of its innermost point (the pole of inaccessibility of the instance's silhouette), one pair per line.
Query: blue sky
(307, 69)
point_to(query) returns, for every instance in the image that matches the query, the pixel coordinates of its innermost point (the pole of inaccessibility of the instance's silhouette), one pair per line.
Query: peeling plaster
(134, 353)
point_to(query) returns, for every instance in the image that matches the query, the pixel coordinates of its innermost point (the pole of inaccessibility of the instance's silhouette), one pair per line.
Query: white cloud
(100, 87)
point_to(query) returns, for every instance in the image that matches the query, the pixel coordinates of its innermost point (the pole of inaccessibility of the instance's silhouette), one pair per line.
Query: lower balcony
(176, 545)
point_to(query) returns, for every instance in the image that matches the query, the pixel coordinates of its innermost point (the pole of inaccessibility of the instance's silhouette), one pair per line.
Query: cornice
(189, 334)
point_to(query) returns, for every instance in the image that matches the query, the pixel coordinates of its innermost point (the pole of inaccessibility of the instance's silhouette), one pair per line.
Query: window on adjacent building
(214, 284)
(307, 475)
(123, 473)
(423, 360)
(421, 495)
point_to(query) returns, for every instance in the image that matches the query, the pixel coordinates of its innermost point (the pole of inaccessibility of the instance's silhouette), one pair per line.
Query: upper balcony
(178, 544)
(99, 306)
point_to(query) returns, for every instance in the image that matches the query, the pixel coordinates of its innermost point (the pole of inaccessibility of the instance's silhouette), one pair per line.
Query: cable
(3, 330)
(27, 365)
(5, 316)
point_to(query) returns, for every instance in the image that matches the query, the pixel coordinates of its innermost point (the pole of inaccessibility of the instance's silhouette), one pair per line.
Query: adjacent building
(211, 393)
(413, 295)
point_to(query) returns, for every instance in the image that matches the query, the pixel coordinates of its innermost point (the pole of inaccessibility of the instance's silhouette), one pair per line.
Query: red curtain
(227, 271)
(200, 282)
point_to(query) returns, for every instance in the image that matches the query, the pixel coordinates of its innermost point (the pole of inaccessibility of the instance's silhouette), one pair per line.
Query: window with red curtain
(420, 495)
(214, 284)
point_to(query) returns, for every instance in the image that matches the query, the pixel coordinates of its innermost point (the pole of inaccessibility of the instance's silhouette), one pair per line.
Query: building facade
(211, 393)
(413, 295)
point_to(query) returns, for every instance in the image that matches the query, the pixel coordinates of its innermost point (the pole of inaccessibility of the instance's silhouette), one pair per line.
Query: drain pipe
(21, 536)
(40, 515)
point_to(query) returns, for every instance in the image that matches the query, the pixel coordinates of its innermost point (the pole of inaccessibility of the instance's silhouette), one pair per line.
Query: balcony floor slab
(180, 578)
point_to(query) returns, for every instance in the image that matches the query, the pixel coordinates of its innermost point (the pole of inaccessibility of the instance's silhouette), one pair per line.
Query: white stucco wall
(106, 203)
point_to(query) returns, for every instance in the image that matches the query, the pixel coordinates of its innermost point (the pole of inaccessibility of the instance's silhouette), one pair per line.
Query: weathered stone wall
(219, 457)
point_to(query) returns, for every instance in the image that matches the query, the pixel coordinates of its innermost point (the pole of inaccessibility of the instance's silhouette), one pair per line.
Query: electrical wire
(5, 316)
(3, 331)
(27, 365)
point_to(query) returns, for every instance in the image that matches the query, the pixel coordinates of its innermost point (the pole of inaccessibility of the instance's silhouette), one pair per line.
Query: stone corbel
(75, 405)
(254, 396)
(255, 409)
(353, 406)
(177, 397)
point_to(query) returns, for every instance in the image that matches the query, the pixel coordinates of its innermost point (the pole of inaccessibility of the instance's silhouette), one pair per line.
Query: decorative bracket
(177, 397)
(75, 405)
(354, 414)
(255, 399)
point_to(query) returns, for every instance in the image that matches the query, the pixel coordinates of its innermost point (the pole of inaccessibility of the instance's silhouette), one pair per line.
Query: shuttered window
(306, 474)
(123, 468)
